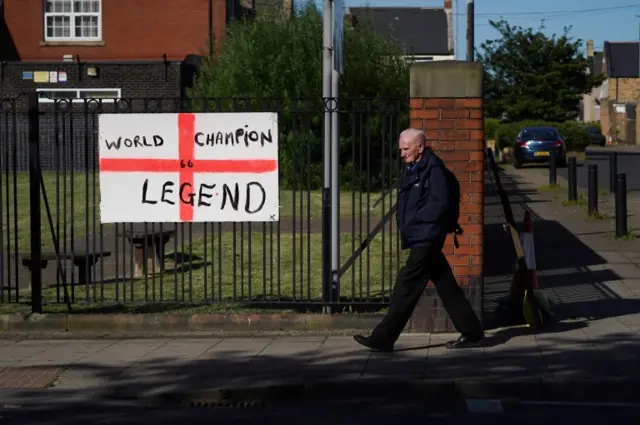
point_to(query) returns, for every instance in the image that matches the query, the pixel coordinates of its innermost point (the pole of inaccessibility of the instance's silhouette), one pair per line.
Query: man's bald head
(411, 144)
(413, 135)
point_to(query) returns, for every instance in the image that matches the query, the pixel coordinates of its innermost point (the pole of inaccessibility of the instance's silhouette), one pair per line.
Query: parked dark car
(595, 136)
(534, 145)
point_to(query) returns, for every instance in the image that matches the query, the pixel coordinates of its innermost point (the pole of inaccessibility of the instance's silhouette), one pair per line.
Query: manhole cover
(28, 377)
(228, 404)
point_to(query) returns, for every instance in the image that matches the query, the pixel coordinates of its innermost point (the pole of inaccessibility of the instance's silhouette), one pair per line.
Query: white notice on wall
(189, 167)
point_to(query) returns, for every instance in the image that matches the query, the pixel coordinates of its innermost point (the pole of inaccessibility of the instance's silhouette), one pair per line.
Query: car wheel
(562, 162)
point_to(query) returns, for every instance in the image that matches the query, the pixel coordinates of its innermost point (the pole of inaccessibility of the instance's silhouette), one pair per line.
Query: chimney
(448, 9)
(288, 7)
(589, 48)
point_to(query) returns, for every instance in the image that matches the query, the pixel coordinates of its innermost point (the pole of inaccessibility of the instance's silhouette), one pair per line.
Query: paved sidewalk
(575, 216)
(511, 362)
(582, 268)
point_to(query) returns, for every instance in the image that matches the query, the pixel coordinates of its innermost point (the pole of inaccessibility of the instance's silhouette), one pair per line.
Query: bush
(271, 58)
(574, 134)
(490, 128)
(571, 131)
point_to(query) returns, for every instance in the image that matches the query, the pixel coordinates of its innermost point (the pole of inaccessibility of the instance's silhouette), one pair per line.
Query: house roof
(622, 59)
(416, 30)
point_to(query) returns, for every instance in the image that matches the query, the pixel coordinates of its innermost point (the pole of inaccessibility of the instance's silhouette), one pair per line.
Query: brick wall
(624, 90)
(139, 81)
(455, 130)
(131, 30)
(615, 125)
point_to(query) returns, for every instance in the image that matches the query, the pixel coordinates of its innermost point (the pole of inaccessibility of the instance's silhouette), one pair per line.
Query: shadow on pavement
(568, 351)
(569, 273)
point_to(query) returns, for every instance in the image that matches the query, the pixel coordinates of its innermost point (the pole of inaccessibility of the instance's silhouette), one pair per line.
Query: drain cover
(228, 404)
(28, 377)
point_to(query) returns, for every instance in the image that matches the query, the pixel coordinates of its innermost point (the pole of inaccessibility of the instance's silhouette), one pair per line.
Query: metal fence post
(592, 189)
(553, 168)
(327, 87)
(621, 205)
(573, 179)
(613, 171)
(34, 200)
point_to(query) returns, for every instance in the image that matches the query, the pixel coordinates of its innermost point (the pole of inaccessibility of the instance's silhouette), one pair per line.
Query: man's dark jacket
(423, 202)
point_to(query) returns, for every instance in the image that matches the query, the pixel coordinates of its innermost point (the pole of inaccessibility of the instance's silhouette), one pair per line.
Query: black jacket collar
(423, 162)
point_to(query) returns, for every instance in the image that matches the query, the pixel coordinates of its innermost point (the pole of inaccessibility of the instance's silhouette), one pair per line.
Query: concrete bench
(83, 260)
(149, 249)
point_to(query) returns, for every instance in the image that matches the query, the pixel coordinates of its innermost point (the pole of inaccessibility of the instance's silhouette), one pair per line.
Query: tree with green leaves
(531, 76)
(280, 57)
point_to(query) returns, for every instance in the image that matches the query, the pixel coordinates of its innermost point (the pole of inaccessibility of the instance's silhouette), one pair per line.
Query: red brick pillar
(446, 102)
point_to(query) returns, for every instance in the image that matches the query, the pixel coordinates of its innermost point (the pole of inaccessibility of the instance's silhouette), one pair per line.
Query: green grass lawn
(264, 272)
(75, 207)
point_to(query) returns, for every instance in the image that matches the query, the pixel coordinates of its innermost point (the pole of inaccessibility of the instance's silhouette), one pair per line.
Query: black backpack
(453, 189)
(453, 214)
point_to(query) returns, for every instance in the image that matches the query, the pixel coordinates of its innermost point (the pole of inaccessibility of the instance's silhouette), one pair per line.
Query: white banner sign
(188, 167)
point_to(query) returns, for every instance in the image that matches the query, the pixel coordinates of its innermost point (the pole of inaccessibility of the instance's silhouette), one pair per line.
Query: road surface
(353, 412)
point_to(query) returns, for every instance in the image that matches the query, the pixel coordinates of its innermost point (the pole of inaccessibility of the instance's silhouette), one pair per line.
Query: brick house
(620, 92)
(105, 49)
(423, 33)
(590, 104)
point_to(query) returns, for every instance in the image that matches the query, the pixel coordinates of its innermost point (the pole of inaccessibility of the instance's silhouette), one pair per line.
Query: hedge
(491, 126)
(505, 133)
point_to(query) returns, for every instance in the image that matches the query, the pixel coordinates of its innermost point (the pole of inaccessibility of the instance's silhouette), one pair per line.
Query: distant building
(105, 48)
(620, 92)
(426, 34)
(590, 105)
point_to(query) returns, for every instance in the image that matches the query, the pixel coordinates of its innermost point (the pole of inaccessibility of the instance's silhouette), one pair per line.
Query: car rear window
(539, 134)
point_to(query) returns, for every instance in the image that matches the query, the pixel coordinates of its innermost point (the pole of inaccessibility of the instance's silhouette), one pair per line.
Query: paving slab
(133, 368)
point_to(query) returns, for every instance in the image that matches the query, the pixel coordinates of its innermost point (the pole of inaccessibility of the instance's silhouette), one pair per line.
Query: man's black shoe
(463, 342)
(367, 342)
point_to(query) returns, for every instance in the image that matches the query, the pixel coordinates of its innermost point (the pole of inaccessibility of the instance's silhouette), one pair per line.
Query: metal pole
(553, 168)
(34, 199)
(573, 181)
(592, 189)
(470, 30)
(613, 171)
(335, 187)
(638, 74)
(327, 56)
(621, 205)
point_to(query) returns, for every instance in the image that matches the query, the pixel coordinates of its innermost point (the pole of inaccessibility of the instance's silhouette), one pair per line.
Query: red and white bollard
(528, 246)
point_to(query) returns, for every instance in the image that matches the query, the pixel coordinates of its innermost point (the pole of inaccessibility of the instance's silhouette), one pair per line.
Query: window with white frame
(78, 95)
(73, 20)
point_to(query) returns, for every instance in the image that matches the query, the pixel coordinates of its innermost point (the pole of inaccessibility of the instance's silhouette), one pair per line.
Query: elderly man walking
(426, 214)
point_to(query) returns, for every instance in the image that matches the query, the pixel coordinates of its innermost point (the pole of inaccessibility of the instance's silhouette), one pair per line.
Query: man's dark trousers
(426, 263)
